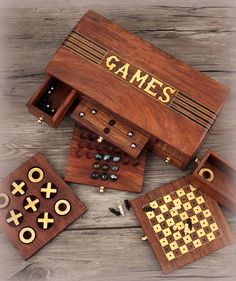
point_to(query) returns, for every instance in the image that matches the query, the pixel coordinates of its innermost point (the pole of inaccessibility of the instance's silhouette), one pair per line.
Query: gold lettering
(166, 94)
(152, 85)
(123, 70)
(109, 64)
(137, 76)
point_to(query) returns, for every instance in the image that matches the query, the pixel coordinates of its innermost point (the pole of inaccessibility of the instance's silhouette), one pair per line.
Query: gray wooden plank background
(100, 246)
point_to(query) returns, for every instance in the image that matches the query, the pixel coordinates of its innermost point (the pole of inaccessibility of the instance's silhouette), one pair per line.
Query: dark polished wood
(223, 186)
(30, 216)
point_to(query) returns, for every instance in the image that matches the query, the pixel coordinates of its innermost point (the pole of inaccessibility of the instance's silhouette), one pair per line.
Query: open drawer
(51, 101)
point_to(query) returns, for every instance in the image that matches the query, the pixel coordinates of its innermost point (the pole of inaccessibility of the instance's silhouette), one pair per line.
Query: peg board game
(35, 205)
(163, 213)
(108, 126)
(103, 164)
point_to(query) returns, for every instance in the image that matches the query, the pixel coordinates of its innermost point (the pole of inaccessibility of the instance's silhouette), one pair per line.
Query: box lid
(144, 85)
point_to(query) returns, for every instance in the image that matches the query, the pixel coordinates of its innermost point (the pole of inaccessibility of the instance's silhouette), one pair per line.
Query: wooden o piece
(207, 174)
(27, 235)
(38, 171)
(4, 200)
(62, 211)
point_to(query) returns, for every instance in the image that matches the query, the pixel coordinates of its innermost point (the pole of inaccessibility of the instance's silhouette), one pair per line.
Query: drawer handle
(167, 160)
(40, 120)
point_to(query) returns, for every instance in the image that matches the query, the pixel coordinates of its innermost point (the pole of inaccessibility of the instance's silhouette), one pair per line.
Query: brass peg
(40, 120)
(101, 189)
(167, 160)
(197, 160)
(100, 140)
(144, 238)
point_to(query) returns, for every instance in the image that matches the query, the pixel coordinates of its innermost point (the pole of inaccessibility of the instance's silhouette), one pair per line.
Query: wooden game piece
(120, 207)
(106, 165)
(175, 227)
(14, 218)
(186, 229)
(101, 189)
(114, 211)
(217, 178)
(35, 174)
(31, 204)
(176, 208)
(62, 207)
(4, 200)
(174, 239)
(144, 238)
(27, 235)
(29, 220)
(45, 220)
(190, 224)
(48, 190)
(127, 204)
(147, 209)
(18, 188)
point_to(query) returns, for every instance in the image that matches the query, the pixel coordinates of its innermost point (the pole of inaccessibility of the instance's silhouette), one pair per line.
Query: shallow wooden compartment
(62, 98)
(223, 186)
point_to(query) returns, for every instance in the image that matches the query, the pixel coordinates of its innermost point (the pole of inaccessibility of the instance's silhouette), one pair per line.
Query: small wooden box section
(36, 205)
(173, 247)
(59, 100)
(128, 171)
(162, 96)
(217, 178)
(110, 128)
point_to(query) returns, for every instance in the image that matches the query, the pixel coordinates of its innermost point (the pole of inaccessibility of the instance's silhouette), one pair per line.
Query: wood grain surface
(102, 246)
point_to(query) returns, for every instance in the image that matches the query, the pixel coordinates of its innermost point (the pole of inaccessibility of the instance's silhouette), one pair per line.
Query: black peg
(127, 204)
(147, 209)
(114, 211)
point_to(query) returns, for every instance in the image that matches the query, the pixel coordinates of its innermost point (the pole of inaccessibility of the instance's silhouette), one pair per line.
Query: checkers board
(163, 213)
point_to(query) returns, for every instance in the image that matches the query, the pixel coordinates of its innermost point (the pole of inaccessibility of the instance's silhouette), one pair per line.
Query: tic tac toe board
(103, 164)
(172, 205)
(35, 205)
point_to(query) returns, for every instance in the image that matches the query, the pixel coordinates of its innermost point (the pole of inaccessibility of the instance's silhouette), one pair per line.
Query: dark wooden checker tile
(32, 210)
(157, 211)
(224, 238)
(81, 158)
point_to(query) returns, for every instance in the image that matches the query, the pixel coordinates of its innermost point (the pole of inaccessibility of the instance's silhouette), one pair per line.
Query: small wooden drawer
(51, 101)
(110, 127)
(169, 154)
(217, 178)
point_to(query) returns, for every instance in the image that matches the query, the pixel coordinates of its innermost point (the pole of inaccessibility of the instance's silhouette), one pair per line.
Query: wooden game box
(163, 214)
(150, 91)
(217, 178)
